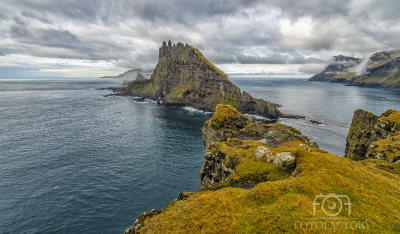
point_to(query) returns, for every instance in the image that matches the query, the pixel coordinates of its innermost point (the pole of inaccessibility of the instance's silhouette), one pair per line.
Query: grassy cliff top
(204, 59)
(277, 206)
(392, 116)
(226, 116)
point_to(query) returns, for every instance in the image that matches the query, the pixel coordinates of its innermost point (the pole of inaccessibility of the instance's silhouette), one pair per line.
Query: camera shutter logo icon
(332, 204)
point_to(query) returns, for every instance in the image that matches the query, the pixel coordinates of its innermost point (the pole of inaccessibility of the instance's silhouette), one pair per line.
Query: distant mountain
(380, 70)
(131, 74)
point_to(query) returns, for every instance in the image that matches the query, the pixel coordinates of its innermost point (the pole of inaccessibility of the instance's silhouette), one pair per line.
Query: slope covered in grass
(285, 201)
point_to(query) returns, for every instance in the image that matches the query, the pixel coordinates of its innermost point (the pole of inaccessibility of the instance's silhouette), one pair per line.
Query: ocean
(73, 161)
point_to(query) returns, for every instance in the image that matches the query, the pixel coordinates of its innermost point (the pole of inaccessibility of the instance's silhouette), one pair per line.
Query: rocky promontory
(380, 70)
(265, 178)
(228, 136)
(184, 77)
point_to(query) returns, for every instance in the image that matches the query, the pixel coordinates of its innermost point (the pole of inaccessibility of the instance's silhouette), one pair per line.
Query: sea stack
(184, 77)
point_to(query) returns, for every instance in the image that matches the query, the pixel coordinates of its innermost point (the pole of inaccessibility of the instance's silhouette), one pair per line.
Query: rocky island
(184, 77)
(380, 70)
(265, 178)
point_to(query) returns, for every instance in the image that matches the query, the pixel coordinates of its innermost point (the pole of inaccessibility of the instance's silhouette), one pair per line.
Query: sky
(244, 38)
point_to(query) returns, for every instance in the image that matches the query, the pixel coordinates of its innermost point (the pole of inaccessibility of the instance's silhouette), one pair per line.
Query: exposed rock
(140, 77)
(264, 152)
(285, 160)
(184, 195)
(305, 147)
(183, 76)
(396, 159)
(371, 136)
(214, 170)
(339, 70)
(135, 229)
(228, 124)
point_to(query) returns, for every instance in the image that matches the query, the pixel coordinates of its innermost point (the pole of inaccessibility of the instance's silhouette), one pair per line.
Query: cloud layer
(118, 35)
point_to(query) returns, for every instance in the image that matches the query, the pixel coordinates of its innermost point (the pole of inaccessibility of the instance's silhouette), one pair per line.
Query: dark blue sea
(73, 161)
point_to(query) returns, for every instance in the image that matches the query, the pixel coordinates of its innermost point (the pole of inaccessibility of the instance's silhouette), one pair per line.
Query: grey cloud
(276, 59)
(299, 59)
(30, 14)
(316, 9)
(254, 59)
(19, 21)
(18, 31)
(128, 33)
(312, 68)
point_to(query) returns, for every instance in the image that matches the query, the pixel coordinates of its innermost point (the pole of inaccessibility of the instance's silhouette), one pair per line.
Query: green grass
(205, 60)
(233, 102)
(274, 207)
(146, 88)
(176, 94)
(286, 197)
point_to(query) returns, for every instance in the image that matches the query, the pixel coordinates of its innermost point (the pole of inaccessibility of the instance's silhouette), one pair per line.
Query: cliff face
(380, 70)
(373, 137)
(228, 136)
(184, 77)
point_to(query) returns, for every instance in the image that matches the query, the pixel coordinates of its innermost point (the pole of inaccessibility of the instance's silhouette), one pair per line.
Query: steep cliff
(380, 70)
(265, 178)
(184, 77)
(373, 137)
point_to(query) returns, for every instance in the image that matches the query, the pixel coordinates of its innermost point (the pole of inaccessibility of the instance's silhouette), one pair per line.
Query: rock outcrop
(184, 77)
(374, 137)
(380, 70)
(228, 129)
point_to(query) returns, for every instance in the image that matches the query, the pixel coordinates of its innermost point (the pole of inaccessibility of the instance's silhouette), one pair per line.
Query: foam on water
(196, 111)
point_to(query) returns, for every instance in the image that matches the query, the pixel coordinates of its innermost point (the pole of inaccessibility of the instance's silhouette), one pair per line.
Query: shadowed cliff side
(184, 77)
(373, 137)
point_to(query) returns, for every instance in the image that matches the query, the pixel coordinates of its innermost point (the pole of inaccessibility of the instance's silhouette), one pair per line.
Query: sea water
(73, 161)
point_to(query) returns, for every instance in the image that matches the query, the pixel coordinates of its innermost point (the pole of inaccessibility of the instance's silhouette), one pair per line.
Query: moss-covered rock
(375, 137)
(231, 140)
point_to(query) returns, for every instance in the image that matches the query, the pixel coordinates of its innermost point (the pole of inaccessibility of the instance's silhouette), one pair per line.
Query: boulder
(304, 146)
(285, 160)
(264, 152)
(396, 159)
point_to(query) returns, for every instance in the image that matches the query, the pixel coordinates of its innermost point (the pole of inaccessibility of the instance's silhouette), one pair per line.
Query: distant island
(130, 74)
(380, 70)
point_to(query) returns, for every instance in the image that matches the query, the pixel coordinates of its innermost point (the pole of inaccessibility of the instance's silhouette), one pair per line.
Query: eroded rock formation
(184, 77)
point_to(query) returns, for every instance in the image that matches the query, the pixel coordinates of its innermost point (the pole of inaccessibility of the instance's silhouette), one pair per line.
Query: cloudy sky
(248, 38)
